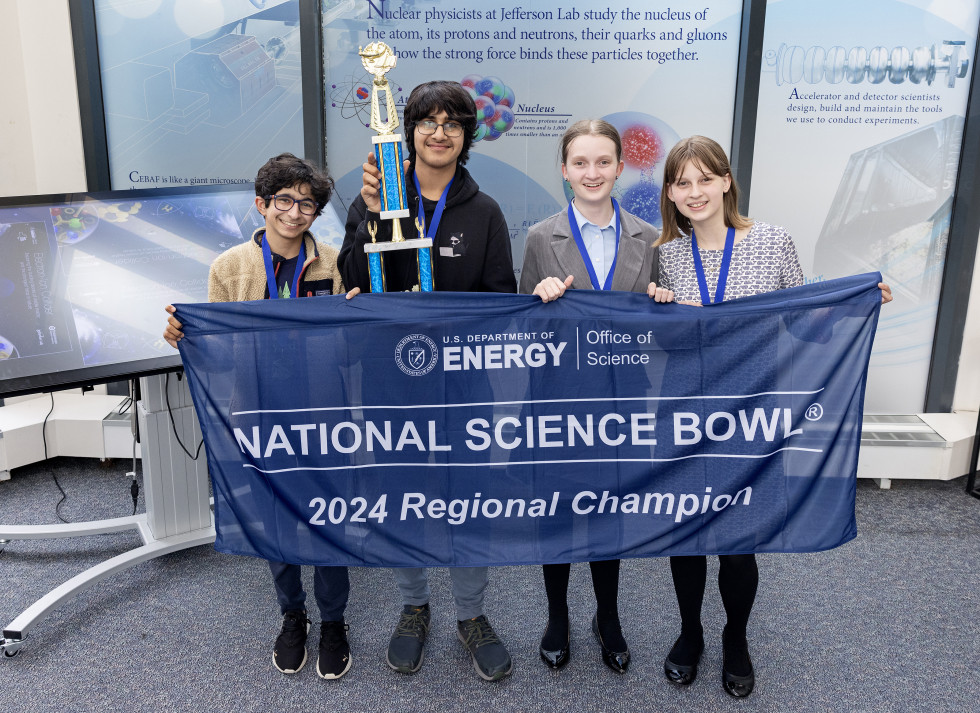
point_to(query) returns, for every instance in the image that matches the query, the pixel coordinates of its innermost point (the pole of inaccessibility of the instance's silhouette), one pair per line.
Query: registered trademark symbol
(814, 413)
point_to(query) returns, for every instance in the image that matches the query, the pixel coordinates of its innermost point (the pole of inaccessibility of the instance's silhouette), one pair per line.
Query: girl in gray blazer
(594, 244)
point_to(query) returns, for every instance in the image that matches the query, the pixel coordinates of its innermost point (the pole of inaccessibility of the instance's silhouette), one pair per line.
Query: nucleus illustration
(494, 106)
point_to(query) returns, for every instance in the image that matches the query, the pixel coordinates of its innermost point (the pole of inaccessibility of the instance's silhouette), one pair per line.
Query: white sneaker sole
(334, 676)
(290, 671)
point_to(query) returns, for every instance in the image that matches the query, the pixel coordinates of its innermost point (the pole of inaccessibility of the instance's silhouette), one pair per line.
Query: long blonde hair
(709, 157)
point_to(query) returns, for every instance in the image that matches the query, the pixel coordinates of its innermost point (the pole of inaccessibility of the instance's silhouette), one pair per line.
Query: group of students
(593, 244)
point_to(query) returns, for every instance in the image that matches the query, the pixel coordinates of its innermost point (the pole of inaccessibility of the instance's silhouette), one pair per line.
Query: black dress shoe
(558, 658)
(681, 674)
(555, 658)
(618, 661)
(735, 685)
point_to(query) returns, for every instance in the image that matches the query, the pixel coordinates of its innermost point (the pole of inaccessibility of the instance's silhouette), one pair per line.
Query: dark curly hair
(428, 99)
(286, 171)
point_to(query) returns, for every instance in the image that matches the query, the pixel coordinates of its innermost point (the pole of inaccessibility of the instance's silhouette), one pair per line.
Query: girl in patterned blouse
(699, 203)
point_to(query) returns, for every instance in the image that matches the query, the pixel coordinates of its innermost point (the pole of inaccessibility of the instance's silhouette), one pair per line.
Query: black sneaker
(490, 657)
(335, 659)
(407, 646)
(289, 654)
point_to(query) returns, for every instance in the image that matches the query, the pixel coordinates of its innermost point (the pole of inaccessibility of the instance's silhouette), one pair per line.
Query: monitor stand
(178, 501)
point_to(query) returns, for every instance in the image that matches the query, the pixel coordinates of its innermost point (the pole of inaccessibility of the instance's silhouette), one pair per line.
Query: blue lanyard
(577, 234)
(270, 273)
(726, 261)
(430, 230)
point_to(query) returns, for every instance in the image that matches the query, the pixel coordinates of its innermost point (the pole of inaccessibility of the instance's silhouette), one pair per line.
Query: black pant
(738, 580)
(605, 583)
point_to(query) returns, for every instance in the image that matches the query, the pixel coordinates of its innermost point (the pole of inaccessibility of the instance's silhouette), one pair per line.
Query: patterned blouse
(762, 261)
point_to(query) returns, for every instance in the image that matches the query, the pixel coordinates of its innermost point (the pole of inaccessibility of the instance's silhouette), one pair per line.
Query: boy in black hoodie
(471, 253)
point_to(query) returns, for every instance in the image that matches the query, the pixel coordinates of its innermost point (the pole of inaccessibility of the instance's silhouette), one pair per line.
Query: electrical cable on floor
(44, 427)
(134, 490)
(134, 487)
(173, 423)
(44, 440)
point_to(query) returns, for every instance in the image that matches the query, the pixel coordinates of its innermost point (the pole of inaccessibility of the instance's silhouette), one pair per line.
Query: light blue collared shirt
(600, 243)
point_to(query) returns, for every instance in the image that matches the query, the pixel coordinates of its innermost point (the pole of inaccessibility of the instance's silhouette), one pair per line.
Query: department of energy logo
(416, 355)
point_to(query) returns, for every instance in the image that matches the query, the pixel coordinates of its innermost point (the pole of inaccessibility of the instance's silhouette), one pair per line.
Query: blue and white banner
(472, 429)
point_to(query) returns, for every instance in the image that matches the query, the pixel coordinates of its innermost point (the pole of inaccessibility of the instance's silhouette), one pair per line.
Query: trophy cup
(378, 59)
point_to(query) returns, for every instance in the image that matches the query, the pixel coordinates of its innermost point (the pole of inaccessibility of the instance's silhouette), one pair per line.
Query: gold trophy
(378, 59)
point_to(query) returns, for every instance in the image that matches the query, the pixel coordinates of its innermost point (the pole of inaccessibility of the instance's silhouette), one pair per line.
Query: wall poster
(198, 92)
(861, 110)
(657, 73)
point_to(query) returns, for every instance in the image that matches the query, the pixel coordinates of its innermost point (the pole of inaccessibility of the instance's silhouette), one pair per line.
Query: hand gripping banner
(472, 429)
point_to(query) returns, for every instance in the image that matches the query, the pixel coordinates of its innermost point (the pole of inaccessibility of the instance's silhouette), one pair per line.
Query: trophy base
(395, 214)
(387, 246)
(375, 254)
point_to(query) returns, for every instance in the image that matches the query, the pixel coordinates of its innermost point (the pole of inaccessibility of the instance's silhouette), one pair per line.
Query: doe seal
(416, 355)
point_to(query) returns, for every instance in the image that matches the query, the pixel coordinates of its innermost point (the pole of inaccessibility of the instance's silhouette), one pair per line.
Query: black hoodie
(471, 251)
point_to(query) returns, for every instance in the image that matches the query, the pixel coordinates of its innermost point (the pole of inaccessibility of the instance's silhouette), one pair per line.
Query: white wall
(17, 174)
(40, 130)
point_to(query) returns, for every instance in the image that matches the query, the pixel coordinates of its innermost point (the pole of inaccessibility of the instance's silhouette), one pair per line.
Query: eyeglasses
(451, 129)
(285, 203)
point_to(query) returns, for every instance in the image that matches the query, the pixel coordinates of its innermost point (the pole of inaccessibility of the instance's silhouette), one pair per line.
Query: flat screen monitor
(84, 278)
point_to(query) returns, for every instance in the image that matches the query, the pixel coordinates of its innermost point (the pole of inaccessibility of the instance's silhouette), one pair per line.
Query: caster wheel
(11, 647)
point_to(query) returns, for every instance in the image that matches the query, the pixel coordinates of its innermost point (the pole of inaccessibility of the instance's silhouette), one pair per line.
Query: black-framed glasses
(285, 203)
(452, 129)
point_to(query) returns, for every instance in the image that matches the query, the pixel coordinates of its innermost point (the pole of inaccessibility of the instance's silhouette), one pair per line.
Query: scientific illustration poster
(198, 92)
(861, 109)
(656, 72)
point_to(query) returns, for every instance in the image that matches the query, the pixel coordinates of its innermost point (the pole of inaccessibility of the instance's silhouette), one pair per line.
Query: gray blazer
(551, 252)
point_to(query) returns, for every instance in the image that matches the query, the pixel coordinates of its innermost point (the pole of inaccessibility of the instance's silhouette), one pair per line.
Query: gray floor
(888, 622)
